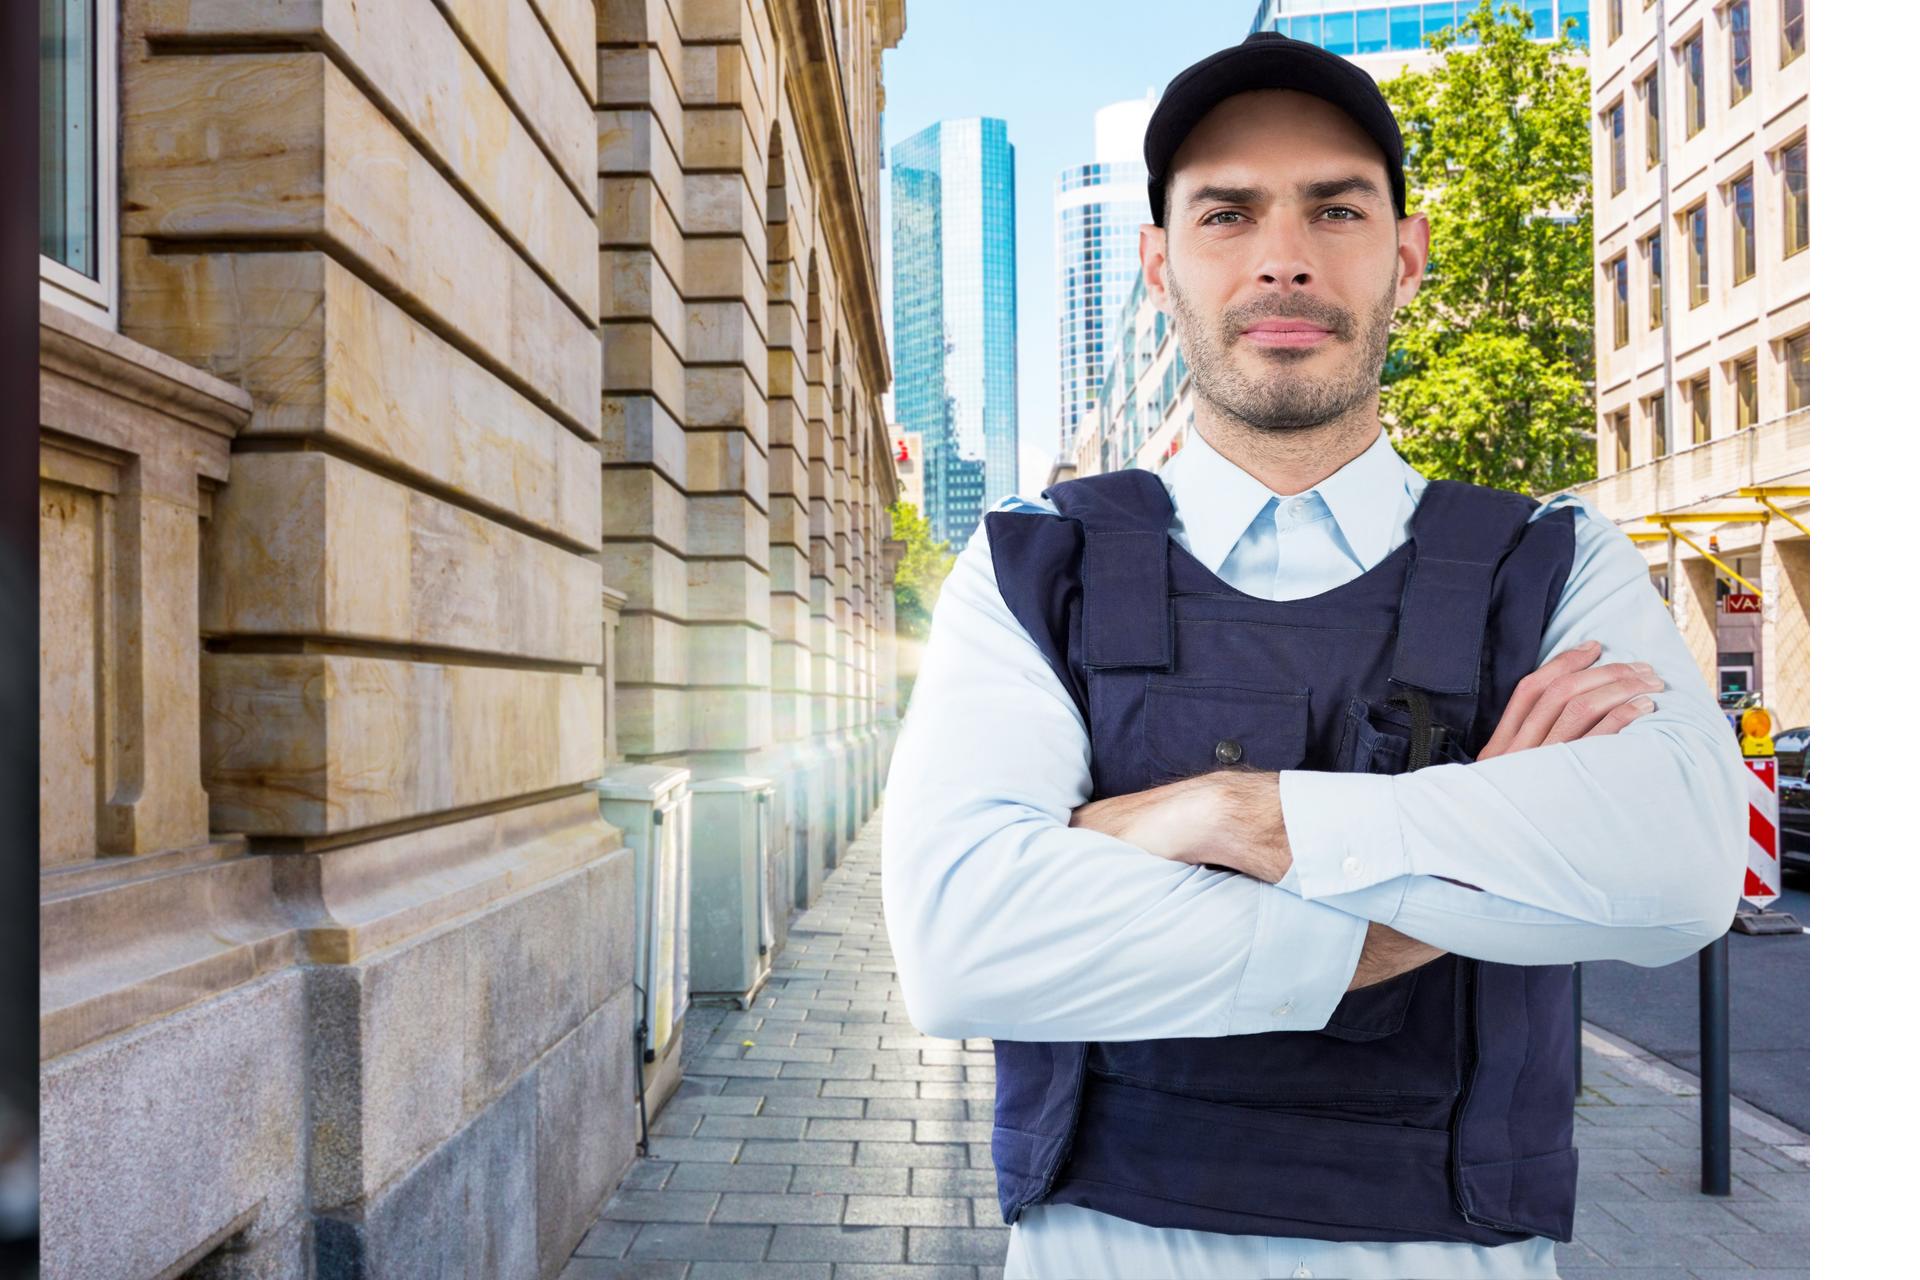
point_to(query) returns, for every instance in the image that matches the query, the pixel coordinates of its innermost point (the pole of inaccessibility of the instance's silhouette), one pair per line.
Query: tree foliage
(923, 568)
(1491, 378)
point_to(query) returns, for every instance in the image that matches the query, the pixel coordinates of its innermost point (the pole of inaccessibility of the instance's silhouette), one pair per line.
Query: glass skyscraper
(954, 317)
(1353, 28)
(1098, 209)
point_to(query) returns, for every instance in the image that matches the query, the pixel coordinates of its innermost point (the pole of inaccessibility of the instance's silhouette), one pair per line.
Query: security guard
(1256, 809)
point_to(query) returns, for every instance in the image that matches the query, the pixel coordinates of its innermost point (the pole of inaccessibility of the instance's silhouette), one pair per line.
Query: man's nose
(1284, 258)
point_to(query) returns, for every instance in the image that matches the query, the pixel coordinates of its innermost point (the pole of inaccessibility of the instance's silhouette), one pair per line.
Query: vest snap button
(1227, 751)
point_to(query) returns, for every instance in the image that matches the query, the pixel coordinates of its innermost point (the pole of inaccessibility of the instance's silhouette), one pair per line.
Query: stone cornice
(115, 364)
(814, 76)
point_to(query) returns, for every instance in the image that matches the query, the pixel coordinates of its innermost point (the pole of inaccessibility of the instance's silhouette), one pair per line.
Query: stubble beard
(1282, 398)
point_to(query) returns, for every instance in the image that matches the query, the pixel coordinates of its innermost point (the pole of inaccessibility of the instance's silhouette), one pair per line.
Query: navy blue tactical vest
(1435, 1106)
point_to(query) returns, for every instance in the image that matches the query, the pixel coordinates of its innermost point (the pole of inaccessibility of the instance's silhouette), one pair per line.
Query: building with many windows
(1098, 209)
(1385, 38)
(954, 320)
(1703, 385)
(1144, 409)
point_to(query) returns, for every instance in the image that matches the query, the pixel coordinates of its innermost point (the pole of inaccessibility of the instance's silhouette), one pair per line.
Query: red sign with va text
(1741, 602)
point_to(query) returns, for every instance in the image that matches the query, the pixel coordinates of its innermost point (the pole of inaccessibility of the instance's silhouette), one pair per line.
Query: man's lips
(1284, 333)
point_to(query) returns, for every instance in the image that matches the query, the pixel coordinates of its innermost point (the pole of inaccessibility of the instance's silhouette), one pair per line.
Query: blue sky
(1043, 66)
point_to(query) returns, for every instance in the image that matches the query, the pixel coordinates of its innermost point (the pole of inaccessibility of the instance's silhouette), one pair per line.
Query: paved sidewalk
(818, 1136)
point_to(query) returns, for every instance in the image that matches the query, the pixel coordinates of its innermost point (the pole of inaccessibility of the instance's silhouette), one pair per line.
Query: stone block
(634, 214)
(635, 428)
(648, 22)
(727, 524)
(324, 165)
(635, 78)
(638, 357)
(309, 744)
(585, 1089)
(791, 574)
(651, 649)
(306, 543)
(727, 461)
(652, 576)
(641, 502)
(325, 355)
(469, 1208)
(792, 666)
(729, 653)
(610, 930)
(727, 396)
(726, 266)
(634, 285)
(729, 590)
(571, 23)
(137, 1172)
(730, 719)
(652, 721)
(726, 332)
(509, 39)
(633, 141)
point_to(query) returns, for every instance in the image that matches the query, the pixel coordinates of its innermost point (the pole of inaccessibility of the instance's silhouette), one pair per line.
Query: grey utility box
(651, 805)
(732, 912)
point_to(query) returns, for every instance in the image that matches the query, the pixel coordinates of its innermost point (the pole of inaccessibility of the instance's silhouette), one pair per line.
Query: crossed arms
(1018, 910)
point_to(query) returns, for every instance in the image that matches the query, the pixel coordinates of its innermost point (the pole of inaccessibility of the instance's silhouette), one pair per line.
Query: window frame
(1744, 238)
(1699, 254)
(1791, 222)
(1790, 51)
(1657, 424)
(1621, 422)
(1746, 408)
(1737, 92)
(1616, 19)
(1653, 248)
(1616, 117)
(1622, 297)
(1694, 98)
(1700, 405)
(1655, 138)
(1805, 337)
(97, 300)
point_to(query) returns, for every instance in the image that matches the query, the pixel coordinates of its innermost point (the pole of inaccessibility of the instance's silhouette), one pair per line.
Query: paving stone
(814, 1151)
(869, 1089)
(607, 1238)
(852, 1180)
(714, 1104)
(731, 1177)
(957, 1244)
(623, 1269)
(1659, 1248)
(841, 1108)
(662, 1206)
(762, 1271)
(953, 1182)
(776, 1088)
(747, 1206)
(1655, 1217)
(909, 1211)
(715, 1150)
(761, 1126)
(838, 1244)
(986, 1211)
(674, 1240)
(647, 1174)
(862, 1130)
(917, 1109)
(953, 1131)
(912, 1154)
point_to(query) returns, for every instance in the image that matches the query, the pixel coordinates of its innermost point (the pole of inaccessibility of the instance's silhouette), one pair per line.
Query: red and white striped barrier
(1763, 830)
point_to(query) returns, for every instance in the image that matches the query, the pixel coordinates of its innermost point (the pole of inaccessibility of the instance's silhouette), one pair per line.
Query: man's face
(1281, 262)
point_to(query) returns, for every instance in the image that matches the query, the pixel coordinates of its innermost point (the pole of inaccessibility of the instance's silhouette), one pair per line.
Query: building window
(1694, 55)
(1616, 19)
(1746, 393)
(1701, 393)
(1793, 30)
(1650, 90)
(1621, 427)
(1744, 245)
(77, 155)
(1617, 145)
(1694, 221)
(1795, 356)
(1617, 271)
(1656, 286)
(1739, 50)
(1657, 422)
(1793, 177)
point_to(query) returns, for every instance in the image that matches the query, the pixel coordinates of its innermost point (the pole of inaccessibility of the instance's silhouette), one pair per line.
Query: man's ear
(1153, 265)
(1415, 246)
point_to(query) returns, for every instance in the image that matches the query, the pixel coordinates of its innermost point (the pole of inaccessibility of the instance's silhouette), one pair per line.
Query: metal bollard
(1716, 1142)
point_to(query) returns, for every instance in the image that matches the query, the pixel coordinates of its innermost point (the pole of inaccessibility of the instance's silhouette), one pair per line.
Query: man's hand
(1569, 698)
(1387, 953)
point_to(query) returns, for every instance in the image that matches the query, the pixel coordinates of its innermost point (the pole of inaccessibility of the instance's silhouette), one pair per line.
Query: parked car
(1792, 748)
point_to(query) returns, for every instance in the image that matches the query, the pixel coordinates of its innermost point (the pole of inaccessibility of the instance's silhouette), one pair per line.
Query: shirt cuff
(1300, 965)
(1343, 830)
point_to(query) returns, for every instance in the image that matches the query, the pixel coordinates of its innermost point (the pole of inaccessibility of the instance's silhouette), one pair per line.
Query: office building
(1387, 38)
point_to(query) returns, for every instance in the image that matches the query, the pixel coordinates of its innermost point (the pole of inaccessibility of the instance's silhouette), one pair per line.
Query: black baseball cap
(1268, 60)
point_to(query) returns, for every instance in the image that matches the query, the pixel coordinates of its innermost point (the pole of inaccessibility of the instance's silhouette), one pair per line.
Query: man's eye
(1219, 213)
(1344, 209)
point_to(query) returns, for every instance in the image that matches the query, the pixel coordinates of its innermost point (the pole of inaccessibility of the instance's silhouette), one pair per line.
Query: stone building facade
(439, 336)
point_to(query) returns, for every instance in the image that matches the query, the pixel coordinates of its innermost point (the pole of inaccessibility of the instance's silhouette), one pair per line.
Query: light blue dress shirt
(1005, 922)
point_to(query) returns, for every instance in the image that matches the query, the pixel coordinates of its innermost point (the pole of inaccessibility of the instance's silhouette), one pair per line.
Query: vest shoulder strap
(1126, 615)
(1460, 533)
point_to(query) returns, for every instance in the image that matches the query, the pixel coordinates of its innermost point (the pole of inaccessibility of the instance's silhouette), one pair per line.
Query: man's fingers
(1528, 692)
(1621, 716)
(1575, 686)
(1585, 713)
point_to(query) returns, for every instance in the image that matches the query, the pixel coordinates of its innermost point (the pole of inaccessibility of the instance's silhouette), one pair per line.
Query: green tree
(1491, 378)
(924, 567)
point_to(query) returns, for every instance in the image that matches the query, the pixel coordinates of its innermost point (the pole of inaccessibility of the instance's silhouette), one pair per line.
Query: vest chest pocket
(1378, 738)
(1193, 726)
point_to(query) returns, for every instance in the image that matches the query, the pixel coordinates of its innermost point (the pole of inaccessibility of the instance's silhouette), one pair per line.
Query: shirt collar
(1216, 501)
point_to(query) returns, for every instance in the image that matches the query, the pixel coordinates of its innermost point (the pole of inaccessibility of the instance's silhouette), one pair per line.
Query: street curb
(1660, 1074)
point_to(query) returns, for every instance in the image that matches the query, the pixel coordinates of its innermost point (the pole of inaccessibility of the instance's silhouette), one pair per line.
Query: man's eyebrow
(1326, 189)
